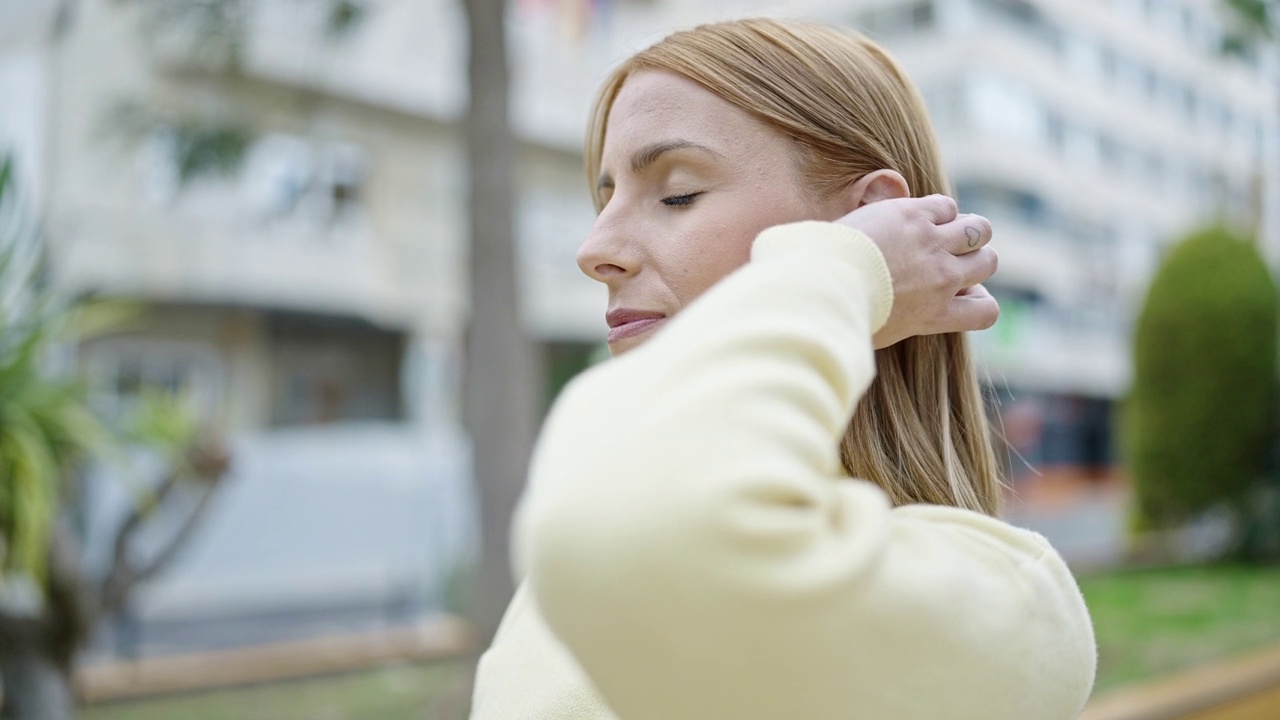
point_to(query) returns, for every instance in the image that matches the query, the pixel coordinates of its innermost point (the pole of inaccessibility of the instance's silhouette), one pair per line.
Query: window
(1020, 11)
(944, 103)
(1082, 145)
(1109, 64)
(1189, 103)
(1075, 431)
(1151, 85)
(1129, 75)
(1025, 16)
(327, 369)
(1056, 128)
(122, 369)
(1198, 186)
(1190, 29)
(279, 172)
(1253, 135)
(898, 19)
(1109, 151)
(989, 198)
(1214, 114)
(290, 178)
(1007, 109)
(1083, 55)
(1156, 169)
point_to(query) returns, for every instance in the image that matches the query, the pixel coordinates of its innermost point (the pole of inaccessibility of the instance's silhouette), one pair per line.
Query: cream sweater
(695, 552)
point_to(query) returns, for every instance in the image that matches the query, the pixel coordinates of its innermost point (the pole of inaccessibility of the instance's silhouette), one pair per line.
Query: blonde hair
(921, 431)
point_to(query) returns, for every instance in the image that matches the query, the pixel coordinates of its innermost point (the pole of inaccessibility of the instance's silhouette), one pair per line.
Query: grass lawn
(1153, 622)
(1148, 622)
(431, 691)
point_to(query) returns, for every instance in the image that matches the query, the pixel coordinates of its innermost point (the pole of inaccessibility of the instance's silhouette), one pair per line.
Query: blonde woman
(749, 514)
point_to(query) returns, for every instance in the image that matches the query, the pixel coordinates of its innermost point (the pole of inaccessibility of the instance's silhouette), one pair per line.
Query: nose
(605, 255)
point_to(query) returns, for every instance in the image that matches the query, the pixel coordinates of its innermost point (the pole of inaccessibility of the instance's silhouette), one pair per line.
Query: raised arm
(690, 536)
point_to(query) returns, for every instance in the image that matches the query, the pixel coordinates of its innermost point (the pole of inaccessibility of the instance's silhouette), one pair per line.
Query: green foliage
(1250, 23)
(203, 149)
(345, 17)
(208, 146)
(1152, 623)
(201, 146)
(217, 28)
(45, 427)
(1203, 403)
(164, 420)
(1259, 17)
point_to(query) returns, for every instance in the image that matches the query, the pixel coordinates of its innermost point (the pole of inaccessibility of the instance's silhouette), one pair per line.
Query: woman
(696, 545)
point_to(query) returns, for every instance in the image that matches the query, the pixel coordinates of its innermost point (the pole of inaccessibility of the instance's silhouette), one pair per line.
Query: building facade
(1094, 135)
(311, 293)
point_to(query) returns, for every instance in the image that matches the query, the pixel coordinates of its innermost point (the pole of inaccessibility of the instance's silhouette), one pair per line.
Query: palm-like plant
(45, 426)
(48, 603)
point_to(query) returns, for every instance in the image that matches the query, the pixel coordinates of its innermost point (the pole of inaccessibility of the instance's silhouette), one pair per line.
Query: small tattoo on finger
(974, 236)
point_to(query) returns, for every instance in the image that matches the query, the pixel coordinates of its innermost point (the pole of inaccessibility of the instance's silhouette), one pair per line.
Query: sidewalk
(443, 637)
(1246, 688)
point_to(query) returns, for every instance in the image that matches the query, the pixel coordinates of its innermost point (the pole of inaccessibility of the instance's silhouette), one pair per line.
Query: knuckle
(990, 314)
(951, 278)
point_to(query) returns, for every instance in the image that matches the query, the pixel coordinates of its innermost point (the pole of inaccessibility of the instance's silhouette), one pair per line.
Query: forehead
(655, 106)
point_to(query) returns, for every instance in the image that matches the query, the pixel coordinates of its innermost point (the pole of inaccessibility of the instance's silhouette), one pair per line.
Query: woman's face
(688, 181)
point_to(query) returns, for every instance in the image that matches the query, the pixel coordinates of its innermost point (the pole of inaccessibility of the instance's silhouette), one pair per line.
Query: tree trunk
(501, 386)
(36, 685)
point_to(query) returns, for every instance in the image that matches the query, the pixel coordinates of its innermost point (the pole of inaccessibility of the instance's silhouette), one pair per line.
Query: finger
(977, 311)
(974, 291)
(976, 267)
(967, 233)
(940, 209)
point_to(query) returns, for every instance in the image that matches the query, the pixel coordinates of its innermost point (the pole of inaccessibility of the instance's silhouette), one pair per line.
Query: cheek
(707, 248)
(716, 238)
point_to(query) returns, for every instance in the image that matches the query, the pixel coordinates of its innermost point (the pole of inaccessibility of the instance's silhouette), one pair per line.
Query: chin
(626, 344)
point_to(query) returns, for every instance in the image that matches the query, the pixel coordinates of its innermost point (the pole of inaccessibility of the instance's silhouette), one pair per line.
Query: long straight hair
(921, 431)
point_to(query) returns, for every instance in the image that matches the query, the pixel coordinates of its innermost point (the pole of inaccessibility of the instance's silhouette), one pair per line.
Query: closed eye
(680, 200)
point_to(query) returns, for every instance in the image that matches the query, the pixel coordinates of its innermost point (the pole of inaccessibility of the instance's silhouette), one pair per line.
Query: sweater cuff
(825, 240)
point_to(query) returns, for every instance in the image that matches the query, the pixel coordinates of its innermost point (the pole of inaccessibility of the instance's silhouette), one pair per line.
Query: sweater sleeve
(691, 538)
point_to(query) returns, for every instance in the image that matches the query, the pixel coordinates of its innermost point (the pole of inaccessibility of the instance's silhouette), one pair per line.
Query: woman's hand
(937, 259)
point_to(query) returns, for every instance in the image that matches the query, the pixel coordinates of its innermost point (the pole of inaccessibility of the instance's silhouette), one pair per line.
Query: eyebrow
(649, 154)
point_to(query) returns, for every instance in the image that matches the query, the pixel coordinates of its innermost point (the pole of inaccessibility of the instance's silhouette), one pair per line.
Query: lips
(625, 323)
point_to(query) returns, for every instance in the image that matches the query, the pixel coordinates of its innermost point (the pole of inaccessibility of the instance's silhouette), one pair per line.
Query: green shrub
(1200, 415)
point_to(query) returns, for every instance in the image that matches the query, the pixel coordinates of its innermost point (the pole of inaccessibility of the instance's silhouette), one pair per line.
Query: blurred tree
(1203, 403)
(1255, 22)
(1254, 28)
(207, 145)
(502, 387)
(49, 600)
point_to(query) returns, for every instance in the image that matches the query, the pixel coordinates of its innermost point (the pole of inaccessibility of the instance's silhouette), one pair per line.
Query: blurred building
(292, 258)
(284, 196)
(1093, 134)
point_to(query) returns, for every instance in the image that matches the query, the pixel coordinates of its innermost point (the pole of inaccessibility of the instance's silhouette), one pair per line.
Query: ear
(875, 186)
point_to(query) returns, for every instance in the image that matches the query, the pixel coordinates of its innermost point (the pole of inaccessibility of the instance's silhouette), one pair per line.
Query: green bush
(1202, 409)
